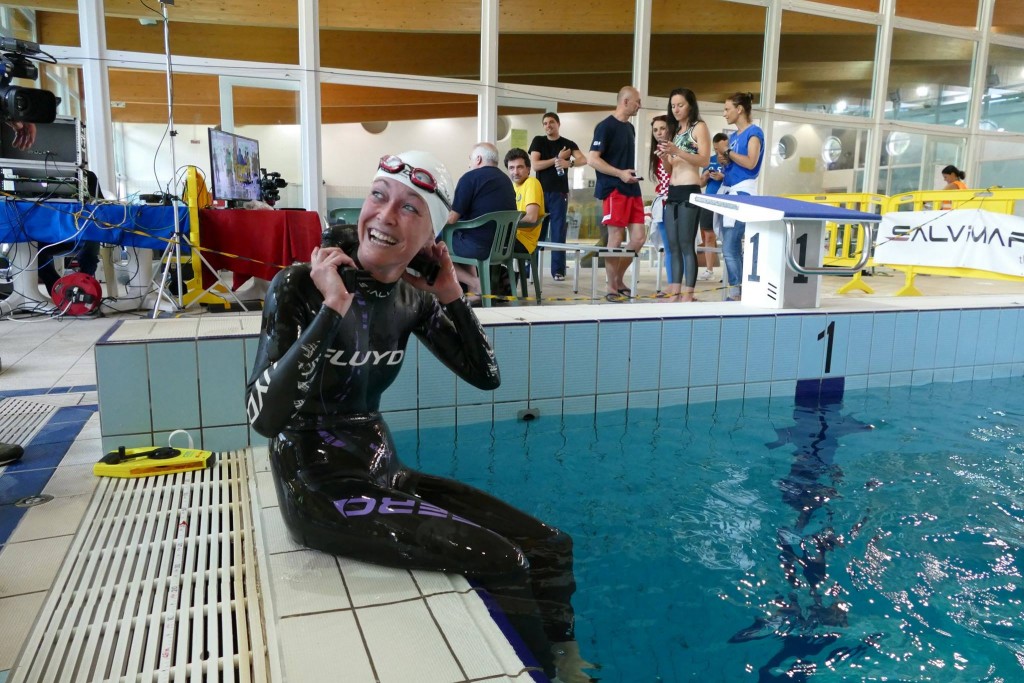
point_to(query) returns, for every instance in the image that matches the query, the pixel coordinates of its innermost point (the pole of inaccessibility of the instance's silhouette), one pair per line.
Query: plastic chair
(531, 260)
(501, 248)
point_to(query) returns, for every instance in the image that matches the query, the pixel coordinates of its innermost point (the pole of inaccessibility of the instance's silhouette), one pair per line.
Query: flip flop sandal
(615, 297)
(626, 293)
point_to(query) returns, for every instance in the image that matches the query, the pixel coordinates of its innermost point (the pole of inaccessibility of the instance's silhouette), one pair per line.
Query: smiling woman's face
(394, 225)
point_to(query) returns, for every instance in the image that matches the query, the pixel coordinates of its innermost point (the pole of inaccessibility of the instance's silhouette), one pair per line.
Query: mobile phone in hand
(354, 278)
(425, 267)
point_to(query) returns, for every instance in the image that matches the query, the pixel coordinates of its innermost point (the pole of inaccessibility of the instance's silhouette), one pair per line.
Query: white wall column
(641, 69)
(972, 157)
(99, 135)
(879, 95)
(487, 100)
(314, 194)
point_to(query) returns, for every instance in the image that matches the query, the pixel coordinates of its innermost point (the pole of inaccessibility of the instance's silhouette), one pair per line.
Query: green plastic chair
(522, 259)
(501, 248)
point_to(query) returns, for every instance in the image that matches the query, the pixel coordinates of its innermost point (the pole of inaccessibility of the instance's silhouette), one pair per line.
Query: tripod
(172, 253)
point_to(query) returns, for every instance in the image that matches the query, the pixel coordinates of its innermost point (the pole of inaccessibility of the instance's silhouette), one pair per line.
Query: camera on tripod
(270, 186)
(17, 103)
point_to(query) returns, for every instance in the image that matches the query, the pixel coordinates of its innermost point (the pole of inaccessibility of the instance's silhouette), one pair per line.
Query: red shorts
(621, 211)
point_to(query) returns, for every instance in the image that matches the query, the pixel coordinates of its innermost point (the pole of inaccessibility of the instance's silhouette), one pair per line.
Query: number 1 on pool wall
(754, 240)
(831, 332)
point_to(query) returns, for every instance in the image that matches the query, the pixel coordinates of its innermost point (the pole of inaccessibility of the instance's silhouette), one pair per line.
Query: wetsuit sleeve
(453, 334)
(290, 356)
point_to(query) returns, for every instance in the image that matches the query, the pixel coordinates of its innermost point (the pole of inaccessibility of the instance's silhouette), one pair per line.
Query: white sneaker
(706, 275)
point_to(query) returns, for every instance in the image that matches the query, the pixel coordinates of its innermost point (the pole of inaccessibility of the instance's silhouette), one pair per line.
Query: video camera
(17, 103)
(270, 186)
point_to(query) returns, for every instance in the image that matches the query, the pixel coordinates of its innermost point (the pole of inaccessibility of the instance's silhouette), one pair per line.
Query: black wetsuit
(315, 391)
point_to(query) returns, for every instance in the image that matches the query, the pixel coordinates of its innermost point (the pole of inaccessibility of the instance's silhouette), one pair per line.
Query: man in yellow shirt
(529, 199)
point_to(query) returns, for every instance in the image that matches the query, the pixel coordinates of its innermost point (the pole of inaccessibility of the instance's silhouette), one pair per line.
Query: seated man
(484, 189)
(529, 200)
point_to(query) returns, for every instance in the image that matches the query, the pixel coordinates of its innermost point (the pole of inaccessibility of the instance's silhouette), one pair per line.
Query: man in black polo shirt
(550, 156)
(483, 189)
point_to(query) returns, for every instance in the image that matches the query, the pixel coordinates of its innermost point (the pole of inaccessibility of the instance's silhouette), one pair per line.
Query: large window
(715, 48)
(1007, 17)
(1002, 107)
(229, 30)
(566, 45)
(825, 65)
(362, 124)
(959, 13)
(912, 161)
(929, 78)
(561, 55)
(808, 158)
(866, 5)
(45, 26)
(1002, 164)
(440, 39)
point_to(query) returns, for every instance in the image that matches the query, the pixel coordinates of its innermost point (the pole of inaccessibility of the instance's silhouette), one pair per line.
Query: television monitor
(234, 167)
(56, 142)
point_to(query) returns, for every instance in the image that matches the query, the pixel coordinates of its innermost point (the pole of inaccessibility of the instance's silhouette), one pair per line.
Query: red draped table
(266, 240)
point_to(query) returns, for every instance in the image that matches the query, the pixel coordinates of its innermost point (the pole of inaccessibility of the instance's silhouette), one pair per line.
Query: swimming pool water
(878, 538)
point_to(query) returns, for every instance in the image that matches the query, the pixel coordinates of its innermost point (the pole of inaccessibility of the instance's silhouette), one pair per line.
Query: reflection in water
(807, 619)
(719, 531)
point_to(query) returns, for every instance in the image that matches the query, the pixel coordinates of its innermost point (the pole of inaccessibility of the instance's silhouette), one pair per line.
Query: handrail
(865, 254)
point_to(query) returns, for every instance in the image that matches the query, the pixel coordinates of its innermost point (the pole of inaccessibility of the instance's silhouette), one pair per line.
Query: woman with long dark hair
(661, 175)
(686, 154)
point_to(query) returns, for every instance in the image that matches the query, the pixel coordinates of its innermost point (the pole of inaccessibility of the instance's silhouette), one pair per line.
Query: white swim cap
(425, 174)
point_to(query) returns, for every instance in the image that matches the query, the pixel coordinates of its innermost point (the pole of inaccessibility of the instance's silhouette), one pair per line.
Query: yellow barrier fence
(1002, 200)
(844, 242)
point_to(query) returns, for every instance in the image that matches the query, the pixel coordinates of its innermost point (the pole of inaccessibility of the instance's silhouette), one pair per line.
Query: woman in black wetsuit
(326, 355)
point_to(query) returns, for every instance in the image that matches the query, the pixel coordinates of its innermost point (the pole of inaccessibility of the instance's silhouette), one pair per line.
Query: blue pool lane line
(43, 454)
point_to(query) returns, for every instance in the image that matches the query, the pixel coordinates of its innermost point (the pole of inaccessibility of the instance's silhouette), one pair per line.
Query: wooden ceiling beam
(534, 16)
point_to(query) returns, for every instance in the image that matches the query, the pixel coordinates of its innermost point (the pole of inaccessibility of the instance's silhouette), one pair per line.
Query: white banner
(964, 238)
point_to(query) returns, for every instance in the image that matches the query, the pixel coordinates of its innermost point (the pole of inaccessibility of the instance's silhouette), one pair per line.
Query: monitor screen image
(235, 166)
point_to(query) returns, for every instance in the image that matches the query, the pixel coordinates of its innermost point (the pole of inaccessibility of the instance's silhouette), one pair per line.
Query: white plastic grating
(160, 584)
(20, 419)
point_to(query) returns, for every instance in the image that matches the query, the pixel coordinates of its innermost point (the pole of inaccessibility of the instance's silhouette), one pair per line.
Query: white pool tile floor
(326, 615)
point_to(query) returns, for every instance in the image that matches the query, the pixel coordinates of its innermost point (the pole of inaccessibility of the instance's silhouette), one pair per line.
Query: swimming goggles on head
(420, 177)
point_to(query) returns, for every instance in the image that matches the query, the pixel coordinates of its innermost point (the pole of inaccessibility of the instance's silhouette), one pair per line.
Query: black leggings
(681, 221)
(377, 510)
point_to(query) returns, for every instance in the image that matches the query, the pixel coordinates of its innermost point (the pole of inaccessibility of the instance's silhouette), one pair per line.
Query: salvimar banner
(963, 238)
